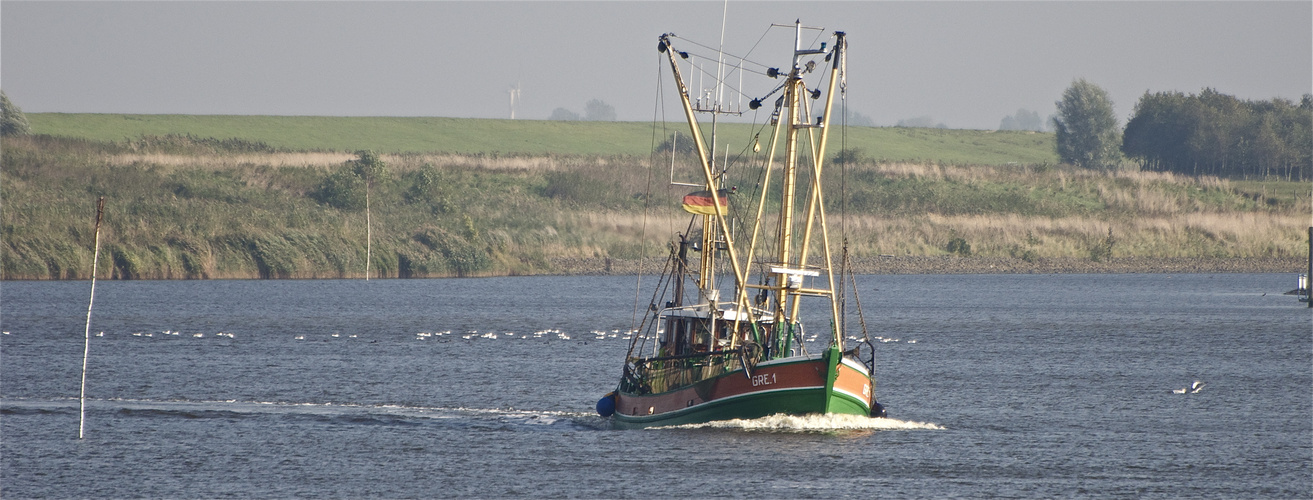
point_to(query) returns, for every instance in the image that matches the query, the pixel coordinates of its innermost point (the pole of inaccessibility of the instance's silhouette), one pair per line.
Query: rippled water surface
(997, 385)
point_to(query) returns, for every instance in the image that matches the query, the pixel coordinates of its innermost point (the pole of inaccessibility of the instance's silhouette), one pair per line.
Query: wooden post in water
(86, 346)
(1308, 278)
(369, 229)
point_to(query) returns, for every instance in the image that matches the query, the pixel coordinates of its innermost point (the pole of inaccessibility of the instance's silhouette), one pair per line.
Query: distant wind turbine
(515, 98)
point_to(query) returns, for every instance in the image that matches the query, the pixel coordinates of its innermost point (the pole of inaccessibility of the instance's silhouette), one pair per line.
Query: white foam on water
(812, 423)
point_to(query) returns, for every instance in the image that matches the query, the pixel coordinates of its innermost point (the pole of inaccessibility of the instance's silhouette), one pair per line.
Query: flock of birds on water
(474, 335)
(550, 333)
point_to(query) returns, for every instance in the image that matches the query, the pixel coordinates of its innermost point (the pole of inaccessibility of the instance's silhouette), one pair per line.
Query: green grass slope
(533, 137)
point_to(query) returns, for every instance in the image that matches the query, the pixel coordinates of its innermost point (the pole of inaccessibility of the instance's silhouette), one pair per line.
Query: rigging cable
(658, 111)
(843, 188)
(713, 49)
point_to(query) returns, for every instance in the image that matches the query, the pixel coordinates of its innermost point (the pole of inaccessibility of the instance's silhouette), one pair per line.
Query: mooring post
(86, 343)
(1308, 278)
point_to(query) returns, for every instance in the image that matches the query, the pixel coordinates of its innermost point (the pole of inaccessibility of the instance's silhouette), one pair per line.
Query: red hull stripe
(766, 378)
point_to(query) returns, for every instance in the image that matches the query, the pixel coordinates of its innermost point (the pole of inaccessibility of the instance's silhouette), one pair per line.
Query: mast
(793, 243)
(721, 232)
(793, 267)
(816, 205)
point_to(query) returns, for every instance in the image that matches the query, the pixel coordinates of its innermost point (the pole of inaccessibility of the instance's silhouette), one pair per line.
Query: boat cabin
(699, 328)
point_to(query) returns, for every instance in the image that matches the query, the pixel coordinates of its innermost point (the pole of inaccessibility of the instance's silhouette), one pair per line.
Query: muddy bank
(983, 265)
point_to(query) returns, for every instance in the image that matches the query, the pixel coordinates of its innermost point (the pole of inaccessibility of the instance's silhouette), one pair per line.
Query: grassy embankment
(503, 197)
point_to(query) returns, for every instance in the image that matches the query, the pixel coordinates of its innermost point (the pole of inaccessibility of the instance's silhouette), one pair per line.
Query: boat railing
(663, 373)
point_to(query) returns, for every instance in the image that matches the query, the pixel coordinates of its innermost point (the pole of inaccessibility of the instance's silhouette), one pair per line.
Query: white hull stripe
(856, 366)
(854, 396)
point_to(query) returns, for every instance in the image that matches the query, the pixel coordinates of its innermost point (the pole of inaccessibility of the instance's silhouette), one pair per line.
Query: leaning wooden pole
(369, 229)
(86, 346)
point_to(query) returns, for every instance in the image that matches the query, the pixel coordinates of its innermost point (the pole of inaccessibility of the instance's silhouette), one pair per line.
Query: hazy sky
(965, 64)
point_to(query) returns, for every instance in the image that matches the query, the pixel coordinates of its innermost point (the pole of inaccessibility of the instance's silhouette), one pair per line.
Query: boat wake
(811, 423)
(340, 413)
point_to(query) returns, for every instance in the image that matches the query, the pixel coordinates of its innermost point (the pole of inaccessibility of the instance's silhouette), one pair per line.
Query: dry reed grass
(512, 163)
(224, 162)
(1200, 234)
(399, 162)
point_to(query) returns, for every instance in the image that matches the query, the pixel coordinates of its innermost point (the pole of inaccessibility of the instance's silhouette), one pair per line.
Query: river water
(1033, 386)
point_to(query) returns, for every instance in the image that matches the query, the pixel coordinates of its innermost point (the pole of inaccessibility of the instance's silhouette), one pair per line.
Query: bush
(12, 120)
(850, 156)
(343, 190)
(959, 246)
(462, 257)
(426, 187)
(681, 142)
(1103, 250)
(127, 265)
(274, 257)
(574, 187)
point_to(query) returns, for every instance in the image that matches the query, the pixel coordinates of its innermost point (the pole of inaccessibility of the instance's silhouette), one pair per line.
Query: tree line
(1216, 134)
(1208, 133)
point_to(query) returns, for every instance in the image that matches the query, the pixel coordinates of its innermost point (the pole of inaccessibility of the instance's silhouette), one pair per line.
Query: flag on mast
(703, 203)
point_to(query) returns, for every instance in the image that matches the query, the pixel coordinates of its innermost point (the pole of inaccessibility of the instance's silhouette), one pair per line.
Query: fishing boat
(723, 335)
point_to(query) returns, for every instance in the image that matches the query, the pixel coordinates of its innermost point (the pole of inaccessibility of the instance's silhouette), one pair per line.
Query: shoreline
(988, 265)
(886, 265)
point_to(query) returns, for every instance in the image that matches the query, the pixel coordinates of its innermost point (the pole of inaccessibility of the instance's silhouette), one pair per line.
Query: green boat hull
(813, 396)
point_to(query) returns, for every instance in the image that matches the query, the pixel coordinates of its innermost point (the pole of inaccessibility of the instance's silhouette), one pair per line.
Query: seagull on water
(1193, 389)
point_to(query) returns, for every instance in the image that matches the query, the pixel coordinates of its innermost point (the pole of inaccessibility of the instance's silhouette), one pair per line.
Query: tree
(1087, 132)
(1217, 134)
(564, 115)
(368, 166)
(920, 122)
(598, 111)
(856, 119)
(12, 121)
(1158, 130)
(1023, 120)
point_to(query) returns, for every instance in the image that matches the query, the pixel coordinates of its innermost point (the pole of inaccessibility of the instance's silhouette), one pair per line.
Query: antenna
(711, 99)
